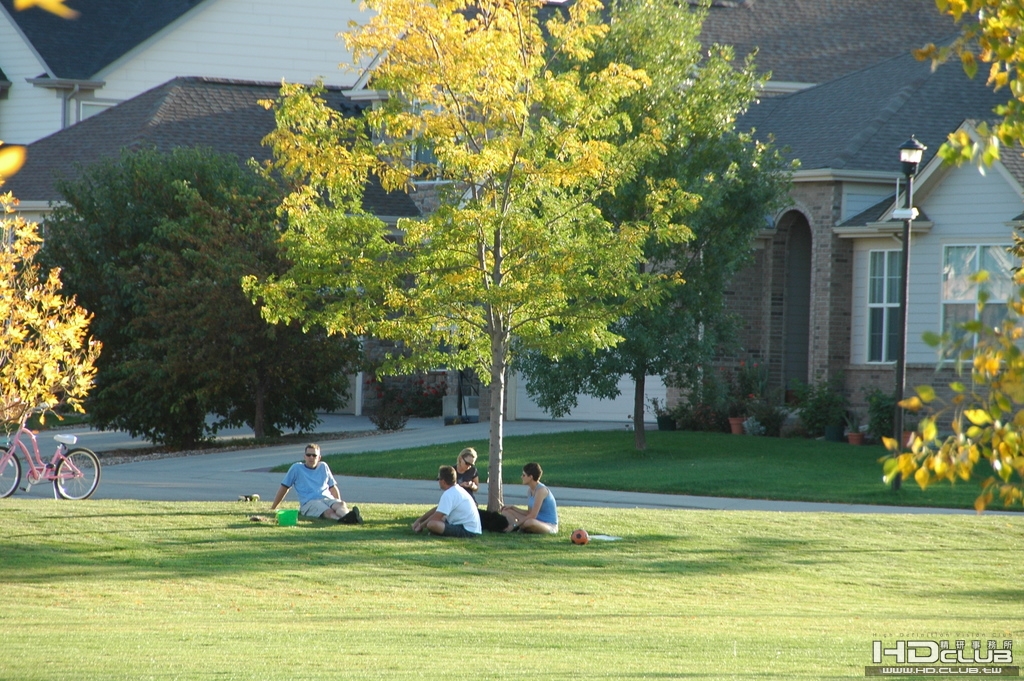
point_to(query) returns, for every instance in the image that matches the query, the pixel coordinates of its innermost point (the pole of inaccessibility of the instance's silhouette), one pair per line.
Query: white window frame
(883, 303)
(97, 105)
(959, 291)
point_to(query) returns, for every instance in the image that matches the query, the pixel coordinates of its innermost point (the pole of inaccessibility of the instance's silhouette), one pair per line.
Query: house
(56, 72)
(844, 63)
(803, 44)
(820, 297)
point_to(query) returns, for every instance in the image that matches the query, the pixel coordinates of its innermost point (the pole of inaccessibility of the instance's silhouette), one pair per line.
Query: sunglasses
(312, 454)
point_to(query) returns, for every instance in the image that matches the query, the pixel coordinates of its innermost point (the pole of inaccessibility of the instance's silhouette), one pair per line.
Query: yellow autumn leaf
(922, 478)
(925, 392)
(911, 404)
(978, 417)
(52, 6)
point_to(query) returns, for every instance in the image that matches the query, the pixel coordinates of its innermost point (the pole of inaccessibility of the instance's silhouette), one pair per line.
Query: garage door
(590, 408)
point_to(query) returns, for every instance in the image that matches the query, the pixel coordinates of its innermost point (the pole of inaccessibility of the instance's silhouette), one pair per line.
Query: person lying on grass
(455, 514)
(317, 489)
(541, 516)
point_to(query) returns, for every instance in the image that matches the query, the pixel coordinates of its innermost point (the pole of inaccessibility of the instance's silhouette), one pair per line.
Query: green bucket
(287, 517)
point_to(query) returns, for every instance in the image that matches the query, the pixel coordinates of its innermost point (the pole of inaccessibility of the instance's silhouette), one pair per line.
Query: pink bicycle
(75, 474)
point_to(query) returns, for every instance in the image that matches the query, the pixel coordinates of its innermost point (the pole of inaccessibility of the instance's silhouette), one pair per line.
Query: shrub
(821, 405)
(399, 396)
(881, 411)
(706, 408)
(707, 418)
(751, 426)
(424, 399)
(770, 416)
(391, 411)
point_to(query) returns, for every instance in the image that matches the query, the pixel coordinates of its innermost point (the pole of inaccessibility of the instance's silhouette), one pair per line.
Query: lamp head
(911, 152)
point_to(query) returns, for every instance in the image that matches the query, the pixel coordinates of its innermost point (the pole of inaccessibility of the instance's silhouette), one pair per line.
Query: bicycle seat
(66, 439)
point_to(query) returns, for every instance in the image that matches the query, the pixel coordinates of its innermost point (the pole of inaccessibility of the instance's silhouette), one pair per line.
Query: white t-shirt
(460, 509)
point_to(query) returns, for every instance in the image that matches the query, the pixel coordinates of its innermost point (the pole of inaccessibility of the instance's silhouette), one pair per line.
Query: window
(90, 109)
(960, 292)
(884, 274)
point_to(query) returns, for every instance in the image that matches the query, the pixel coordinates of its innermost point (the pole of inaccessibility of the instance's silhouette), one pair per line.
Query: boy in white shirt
(455, 515)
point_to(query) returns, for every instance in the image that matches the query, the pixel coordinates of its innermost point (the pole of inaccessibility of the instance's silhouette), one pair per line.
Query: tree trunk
(499, 358)
(639, 433)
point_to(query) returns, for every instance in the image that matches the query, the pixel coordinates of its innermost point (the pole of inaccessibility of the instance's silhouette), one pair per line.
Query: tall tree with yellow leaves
(46, 357)
(523, 138)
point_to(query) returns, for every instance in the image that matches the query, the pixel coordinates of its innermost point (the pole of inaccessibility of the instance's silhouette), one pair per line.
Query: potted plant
(854, 435)
(737, 412)
(666, 420)
(737, 401)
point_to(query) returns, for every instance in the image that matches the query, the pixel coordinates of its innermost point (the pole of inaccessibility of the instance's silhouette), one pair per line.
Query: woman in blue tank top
(541, 516)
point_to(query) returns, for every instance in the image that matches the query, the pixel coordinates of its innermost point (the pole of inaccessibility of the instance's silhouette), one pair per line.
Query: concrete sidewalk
(223, 476)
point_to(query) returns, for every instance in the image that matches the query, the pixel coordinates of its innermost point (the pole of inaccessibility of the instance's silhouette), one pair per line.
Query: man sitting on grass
(455, 514)
(318, 491)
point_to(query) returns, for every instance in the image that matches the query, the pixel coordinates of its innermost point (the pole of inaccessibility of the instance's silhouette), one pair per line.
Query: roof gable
(858, 121)
(185, 112)
(104, 31)
(933, 174)
(814, 41)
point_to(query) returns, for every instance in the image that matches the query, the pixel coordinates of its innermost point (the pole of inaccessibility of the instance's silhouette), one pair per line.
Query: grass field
(146, 590)
(680, 462)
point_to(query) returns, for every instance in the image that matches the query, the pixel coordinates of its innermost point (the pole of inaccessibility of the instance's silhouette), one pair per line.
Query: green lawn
(680, 462)
(148, 590)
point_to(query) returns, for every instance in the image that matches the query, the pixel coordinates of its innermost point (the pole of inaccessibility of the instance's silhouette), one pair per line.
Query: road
(223, 476)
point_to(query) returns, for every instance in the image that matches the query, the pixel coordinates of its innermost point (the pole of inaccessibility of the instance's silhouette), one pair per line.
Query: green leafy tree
(517, 248)
(718, 182)
(157, 245)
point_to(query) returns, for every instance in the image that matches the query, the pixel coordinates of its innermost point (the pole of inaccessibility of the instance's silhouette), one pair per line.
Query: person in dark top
(466, 474)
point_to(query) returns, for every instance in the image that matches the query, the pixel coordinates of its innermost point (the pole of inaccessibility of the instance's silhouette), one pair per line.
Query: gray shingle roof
(877, 211)
(814, 41)
(858, 121)
(104, 31)
(184, 112)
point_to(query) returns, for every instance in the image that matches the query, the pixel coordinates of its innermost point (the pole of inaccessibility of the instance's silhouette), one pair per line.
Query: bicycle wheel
(78, 474)
(10, 474)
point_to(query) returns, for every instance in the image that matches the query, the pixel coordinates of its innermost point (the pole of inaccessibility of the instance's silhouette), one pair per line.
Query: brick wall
(861, 379)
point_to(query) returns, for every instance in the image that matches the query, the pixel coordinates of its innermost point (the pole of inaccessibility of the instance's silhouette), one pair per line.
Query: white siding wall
(590, 408)
(256, 40)
(858, 197)
(965, 208)
(259, 40)
(28, 112)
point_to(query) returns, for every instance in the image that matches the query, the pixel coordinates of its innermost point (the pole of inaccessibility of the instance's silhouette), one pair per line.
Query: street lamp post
(910, 156)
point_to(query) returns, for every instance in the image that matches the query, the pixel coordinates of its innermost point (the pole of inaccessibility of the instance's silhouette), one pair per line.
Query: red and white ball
(580, 536)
